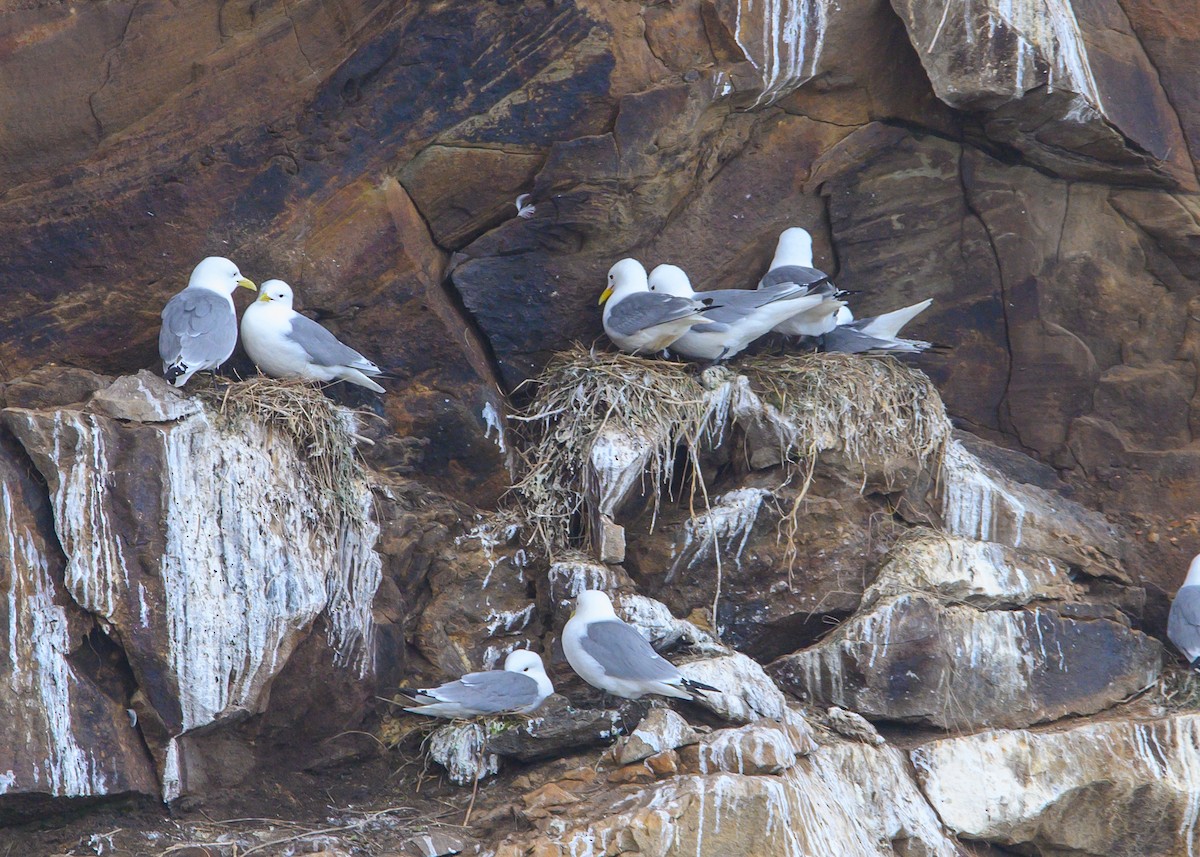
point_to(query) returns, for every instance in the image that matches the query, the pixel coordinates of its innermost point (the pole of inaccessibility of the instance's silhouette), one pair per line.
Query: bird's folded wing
(197, 326)
(625, 654)
(323, 348)
(793, 274)
(647, 309)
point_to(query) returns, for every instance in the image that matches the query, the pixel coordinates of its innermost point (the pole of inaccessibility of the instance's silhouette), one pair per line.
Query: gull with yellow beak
(285, 344)
(639, 321)
(199, 325)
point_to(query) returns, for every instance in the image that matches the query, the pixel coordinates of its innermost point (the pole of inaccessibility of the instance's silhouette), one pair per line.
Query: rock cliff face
(191, 605)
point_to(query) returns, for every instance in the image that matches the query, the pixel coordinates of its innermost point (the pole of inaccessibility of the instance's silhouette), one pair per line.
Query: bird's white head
(1193, 575)
(592, 604)
(523, 661)
(625, 277)
(794, 248)
(530, 663)
(218, 274)
(275, 292)
(671, 280)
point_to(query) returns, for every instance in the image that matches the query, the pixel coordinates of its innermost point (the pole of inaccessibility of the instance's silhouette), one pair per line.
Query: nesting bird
(520, 688)
(736, 318)
(792, 263)
(611, 655)
(639, 321)
(1183, 622)
(199, 325)
(285, 344)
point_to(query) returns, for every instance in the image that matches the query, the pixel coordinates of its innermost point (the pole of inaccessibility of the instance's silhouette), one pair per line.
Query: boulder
(911, 658)
(1112, 786)
(1068, 84)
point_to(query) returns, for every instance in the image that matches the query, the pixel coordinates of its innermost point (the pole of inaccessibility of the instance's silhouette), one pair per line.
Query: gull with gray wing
(611, 655)
(639, 321)
(199, 325)
(285, 344)
(792, 263)
(521, 687)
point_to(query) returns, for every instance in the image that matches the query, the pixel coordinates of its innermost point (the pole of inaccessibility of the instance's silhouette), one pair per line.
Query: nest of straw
(320, 432)
(866, 408)
(577, 396)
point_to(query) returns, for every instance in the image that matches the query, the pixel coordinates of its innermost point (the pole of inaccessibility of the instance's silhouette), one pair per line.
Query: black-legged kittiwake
(792, 263)
(199, 325)
(521, 687)
(639, 321)
(1183, 622)
(611, 655)
(877, 334)
(736, 318)
(285, 344)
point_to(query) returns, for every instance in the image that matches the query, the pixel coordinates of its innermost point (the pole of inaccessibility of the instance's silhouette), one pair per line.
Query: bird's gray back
(323, 347)
(198, 326)
(646, 309)
(491, 692)
(732, 305)
(792, 274)
(1183, 622)
(625, 654)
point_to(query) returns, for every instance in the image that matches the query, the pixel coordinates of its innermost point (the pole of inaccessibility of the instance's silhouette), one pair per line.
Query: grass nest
(320, 432)
(1177, 689)
(579, 394)
(869, 409)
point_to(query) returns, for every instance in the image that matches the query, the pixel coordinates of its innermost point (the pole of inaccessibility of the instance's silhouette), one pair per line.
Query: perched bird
(199, 325)
(286, 344)
(639, 321)
(878, 334)
(792, 263)
(1183, 622)
(521, 687)
(612, 656)
(737, 316)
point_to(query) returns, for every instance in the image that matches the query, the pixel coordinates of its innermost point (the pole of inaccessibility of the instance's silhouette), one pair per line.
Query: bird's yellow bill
(247, 284)
(264, 298)
(604, 295)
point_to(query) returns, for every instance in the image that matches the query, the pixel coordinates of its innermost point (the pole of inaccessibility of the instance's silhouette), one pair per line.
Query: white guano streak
(39, 642)
(1048, 28)
(244, 569)
(783, 40)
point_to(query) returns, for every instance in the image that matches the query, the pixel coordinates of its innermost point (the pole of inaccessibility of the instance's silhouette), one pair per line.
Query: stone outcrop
(1107, 787)
(208, 593)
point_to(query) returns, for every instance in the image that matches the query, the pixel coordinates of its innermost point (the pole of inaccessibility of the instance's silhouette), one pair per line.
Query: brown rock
(550, 795)
(636, 772)
(1071, 88)
(909, 658)
(52, 386)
